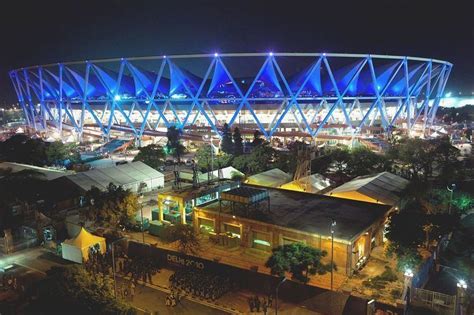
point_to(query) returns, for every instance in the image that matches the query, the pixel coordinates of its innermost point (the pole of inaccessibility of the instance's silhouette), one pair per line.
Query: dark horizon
(41, 33)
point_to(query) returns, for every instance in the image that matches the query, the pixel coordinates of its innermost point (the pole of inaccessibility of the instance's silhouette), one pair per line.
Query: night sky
(38, 32)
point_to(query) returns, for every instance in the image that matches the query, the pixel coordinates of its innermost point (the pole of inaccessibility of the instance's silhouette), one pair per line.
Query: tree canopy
(22, 149)
(205, 159)
(298, 259)
(152, 155)
(185, 236)
(113, 207)
(238, 142)
(227, 145)
(174, 145)
(73, 290)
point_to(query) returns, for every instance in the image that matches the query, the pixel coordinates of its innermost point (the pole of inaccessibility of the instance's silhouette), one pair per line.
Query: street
(34, 262)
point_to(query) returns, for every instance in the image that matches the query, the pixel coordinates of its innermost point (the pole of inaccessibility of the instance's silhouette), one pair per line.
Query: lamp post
(451, 190)
(276, 295)
(113, 264)
(461, 296)
(407, 286)
(333, 227)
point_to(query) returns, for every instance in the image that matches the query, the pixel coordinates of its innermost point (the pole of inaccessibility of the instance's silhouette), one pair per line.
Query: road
(151, 300)
(34, 262)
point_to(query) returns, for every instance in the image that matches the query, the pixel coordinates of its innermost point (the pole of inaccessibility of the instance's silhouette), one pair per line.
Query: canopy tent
(78, 249)
(313, 184)
(271, 178)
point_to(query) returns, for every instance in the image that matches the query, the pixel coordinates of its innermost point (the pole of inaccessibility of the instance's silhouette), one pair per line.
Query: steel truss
(53, 94)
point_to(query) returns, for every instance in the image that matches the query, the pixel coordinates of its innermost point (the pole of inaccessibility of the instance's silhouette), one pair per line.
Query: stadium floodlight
(117, 98)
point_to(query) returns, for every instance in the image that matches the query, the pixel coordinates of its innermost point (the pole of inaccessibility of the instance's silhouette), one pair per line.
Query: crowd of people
(256, 304)
(199, 284)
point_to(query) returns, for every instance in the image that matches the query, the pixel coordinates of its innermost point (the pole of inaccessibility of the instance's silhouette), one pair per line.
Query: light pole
(333, 227)
(451, 189)
(276, 296)
(407, 287)
(113, 264)
(461, 296)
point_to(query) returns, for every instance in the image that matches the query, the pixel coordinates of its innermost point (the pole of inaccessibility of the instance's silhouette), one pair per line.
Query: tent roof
(271, 178)
(123, 175)
(317, 182)
(384, 187)
(84, 239)
(49, 173)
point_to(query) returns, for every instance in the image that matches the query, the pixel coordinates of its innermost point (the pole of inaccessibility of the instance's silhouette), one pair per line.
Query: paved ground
(151, 300)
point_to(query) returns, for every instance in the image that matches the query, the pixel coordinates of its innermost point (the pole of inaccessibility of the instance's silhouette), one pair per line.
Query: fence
(443, 304)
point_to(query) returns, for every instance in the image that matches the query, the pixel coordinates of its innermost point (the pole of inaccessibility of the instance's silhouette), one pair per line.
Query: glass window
(261, 240)
(234, 230)
(206, 225)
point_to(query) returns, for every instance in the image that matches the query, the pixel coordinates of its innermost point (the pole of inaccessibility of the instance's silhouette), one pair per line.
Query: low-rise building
(262, 219)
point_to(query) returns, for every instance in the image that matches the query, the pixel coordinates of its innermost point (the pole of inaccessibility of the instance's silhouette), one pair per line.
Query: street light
(461, 296)
(407, 285)
(333, 226)
(276, 296)
(451, 190)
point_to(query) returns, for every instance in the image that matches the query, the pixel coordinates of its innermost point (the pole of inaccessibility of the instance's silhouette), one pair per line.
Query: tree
(204, 158)
(227, 145)
(58, 153)
(259, 160)
(19, 188)
(363, 161)
(113, 207)
(298, 259)
(405, 233)
(447, 164)
(257, 138)
(238, 144)
(340, 158)
(152, 155)
(186, 237)
(73, 290)
(174, 145)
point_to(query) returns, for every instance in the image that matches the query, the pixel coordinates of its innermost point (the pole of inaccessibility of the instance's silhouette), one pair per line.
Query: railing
(443, 304)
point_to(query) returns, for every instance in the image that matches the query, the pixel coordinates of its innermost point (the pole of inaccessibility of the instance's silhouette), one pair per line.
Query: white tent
(312, 184)
(78, 248)
(271, 178)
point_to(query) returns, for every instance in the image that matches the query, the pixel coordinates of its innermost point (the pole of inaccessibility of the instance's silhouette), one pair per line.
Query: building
(262, 219)
(176, 206)
(383, 188)
(319, 95)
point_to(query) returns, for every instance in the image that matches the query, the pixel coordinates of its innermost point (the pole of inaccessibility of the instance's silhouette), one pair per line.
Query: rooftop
(383, 187)
(312, 213)
(123, 175)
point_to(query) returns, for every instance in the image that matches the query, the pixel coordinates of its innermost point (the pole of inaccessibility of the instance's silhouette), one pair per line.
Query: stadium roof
(385, 188)
(121, 175)
(312, 213)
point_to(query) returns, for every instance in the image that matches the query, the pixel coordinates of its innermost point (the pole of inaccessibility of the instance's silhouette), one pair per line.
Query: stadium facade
(280, 94)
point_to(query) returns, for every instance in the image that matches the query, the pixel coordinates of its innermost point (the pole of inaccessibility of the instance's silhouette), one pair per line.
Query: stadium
(299, 95)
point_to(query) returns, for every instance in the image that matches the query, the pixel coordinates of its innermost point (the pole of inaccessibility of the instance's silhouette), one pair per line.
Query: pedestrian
(265, 307)
(251, 304)
(121, 265)
(132, 291)
(270, 300)
(257, 303)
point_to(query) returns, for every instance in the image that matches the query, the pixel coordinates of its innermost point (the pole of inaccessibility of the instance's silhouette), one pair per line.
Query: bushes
(380, 281)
